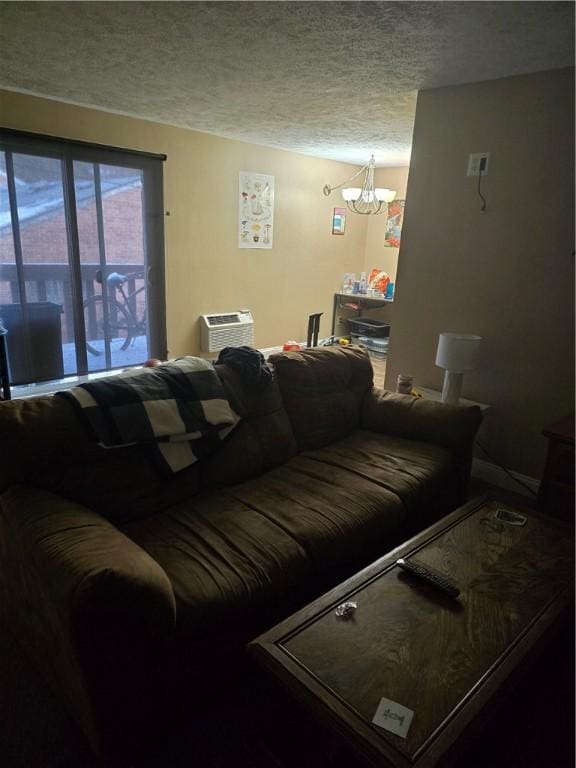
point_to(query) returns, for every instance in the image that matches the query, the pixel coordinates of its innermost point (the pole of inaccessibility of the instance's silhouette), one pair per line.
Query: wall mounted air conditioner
(227, 329)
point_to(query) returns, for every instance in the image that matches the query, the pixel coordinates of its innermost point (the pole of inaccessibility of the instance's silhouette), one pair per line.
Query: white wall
(506, 274)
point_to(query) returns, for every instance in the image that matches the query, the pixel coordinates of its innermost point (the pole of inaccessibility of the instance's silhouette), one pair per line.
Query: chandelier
(367, 198)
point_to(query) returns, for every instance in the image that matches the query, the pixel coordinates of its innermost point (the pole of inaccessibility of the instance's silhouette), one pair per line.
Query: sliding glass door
(81, 257)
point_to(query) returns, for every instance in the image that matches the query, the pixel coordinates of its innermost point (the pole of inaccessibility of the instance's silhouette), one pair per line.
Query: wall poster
(394, 224)
(339, 221)
(255, 210)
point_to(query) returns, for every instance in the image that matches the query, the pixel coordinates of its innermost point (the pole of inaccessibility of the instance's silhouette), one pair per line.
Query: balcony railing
(37, 276)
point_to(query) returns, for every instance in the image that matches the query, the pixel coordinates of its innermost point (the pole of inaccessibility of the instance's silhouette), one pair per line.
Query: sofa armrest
(89, 603)
(452, 427)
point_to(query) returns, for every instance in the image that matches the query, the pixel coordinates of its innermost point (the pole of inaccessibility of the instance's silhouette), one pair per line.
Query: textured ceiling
(331, 79)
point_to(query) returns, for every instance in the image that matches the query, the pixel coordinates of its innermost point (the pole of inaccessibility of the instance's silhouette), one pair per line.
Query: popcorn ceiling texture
(330, 79)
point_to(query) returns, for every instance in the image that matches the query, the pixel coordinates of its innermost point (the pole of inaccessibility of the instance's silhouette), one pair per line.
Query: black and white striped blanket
(178, 408)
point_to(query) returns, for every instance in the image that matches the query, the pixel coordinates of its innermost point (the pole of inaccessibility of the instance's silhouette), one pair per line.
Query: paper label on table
(507, 516)
(393, 717)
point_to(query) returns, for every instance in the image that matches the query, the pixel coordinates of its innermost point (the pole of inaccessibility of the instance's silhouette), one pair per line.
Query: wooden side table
(556, 494)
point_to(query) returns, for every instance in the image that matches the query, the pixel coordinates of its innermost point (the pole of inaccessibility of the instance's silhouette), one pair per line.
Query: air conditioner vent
(222, 319)
(228, 329)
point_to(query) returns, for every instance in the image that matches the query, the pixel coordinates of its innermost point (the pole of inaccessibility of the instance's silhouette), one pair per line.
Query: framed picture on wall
(339, 221)
(393, 232)
(255, 210)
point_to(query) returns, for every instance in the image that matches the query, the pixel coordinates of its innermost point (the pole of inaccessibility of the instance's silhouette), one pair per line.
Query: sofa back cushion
(44, 443)
(322, 389)
(263, 439)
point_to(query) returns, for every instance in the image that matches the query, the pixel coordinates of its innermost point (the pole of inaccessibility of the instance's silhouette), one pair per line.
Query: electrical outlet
(474, 163)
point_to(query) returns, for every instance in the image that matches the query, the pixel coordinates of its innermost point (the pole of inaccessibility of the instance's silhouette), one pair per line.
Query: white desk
(361, 300)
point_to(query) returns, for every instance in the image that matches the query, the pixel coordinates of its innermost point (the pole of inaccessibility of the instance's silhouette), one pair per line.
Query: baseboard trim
(495, 475)
(267, 351)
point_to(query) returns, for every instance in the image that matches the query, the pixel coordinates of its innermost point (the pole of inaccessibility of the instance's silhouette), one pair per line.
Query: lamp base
(452, 387)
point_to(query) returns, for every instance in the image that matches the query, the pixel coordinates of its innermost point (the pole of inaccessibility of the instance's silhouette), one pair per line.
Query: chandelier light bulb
(385, 195)
(351, 193)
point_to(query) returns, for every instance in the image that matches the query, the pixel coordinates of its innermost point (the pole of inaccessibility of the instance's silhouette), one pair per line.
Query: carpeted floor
(35, 731)
(533, 729)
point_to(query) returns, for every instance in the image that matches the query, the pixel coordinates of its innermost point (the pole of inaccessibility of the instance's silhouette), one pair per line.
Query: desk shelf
(354, 303)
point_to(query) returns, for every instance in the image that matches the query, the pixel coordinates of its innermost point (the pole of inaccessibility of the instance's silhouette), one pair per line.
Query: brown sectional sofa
(122, 585)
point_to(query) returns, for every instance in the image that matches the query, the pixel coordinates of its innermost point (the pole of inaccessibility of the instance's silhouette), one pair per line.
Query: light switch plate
(474, 163)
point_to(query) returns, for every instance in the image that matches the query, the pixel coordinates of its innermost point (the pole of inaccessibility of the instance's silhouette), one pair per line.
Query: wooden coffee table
(450, 662)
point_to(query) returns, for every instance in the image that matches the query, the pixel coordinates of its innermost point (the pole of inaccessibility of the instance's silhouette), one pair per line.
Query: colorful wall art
(394, 224)
(339, 221)
(255, 210)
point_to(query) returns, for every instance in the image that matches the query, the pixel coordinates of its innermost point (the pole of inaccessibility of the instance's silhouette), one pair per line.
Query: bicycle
(113, 320)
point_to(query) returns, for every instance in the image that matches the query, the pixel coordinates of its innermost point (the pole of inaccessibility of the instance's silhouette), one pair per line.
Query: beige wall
(205, 270)
(506, 274)
(377, 254)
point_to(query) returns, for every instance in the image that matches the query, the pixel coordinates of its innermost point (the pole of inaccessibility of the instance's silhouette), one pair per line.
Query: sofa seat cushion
(341, 519)
(415, 472)
(229, 565)
(242, 557)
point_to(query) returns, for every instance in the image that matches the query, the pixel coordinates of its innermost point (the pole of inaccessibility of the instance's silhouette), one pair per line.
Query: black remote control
(432, 577)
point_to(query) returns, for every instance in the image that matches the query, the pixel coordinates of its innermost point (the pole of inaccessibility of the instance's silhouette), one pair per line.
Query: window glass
(74, 293)
(8, 281)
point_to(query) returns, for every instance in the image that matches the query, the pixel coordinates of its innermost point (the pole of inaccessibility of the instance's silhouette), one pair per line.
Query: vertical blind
(82, 285)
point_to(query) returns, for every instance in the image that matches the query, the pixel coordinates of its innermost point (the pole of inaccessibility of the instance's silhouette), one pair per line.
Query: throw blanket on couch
(178, 408)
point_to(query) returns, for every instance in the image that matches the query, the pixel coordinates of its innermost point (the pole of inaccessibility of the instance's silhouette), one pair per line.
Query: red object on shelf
(379, 280)
(290, 345)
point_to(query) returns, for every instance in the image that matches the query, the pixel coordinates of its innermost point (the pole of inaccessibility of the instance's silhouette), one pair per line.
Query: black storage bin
(367, 326)
(35, 351)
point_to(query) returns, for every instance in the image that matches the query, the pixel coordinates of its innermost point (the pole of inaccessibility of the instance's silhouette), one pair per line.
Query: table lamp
(456, 353)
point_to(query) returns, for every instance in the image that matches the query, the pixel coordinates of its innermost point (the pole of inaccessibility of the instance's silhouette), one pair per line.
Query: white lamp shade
(458, 352)
(351, 193)
(385, 195)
